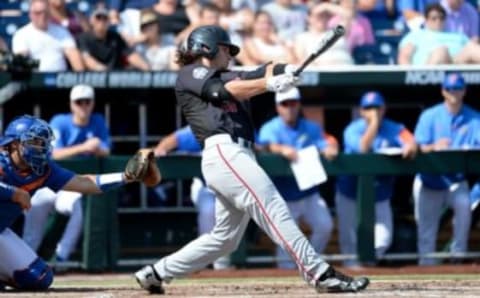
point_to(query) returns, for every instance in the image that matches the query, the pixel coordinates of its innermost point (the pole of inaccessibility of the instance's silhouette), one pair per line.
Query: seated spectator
(264, 45)
(289, 18)
(451, 124)
(412, 12)
(73, 20)
(125, 14)
(462, 17)
(286, 134)
(307, 42)
(377, 9)
(157, 49)
(432, 45)
(235, 21)
(209, 14)
(358, 29)
(49, 43)
(174, 17)
(80, 133)
(104, 49)
(370, 133)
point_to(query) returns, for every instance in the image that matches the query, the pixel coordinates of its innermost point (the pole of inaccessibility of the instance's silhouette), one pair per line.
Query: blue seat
(379, 53)
(10, 4)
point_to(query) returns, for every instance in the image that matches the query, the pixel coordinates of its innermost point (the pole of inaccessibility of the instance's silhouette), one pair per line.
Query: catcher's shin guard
(149, 279)
(335, 282)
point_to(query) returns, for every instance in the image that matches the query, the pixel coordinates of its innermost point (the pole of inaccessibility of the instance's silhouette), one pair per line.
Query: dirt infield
(455, 281)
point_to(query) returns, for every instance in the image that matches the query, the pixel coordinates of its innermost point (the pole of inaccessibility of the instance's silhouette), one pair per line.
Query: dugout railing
(101, 234)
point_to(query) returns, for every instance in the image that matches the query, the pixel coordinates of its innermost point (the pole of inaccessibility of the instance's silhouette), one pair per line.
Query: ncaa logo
(199, 72)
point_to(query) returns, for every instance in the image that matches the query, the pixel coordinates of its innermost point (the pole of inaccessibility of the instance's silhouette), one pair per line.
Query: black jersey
(208, 118)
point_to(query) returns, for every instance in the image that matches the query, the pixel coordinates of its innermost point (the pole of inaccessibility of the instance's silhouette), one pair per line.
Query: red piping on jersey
(36, 183)
(262, 208)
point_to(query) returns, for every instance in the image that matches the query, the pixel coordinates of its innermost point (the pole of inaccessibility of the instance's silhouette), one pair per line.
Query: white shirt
(46, 46)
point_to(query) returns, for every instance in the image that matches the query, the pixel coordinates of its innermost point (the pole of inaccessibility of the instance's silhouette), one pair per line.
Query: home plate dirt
(455, 281)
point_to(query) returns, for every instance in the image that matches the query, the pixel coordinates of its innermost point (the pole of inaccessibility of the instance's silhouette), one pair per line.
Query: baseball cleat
(149, 279)
(333, 281)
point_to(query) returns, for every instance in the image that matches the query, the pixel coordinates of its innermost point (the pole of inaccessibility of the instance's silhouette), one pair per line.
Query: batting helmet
(204, 41)
(35, 136)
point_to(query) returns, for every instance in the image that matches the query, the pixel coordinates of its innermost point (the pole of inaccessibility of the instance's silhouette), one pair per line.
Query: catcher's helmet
(35, 136)
(204, 41)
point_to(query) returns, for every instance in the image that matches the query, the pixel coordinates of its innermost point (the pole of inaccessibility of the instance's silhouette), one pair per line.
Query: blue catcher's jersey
(55, 178)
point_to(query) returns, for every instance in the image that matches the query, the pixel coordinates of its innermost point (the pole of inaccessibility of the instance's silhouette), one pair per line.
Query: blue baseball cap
(372, 99)
(453, 81)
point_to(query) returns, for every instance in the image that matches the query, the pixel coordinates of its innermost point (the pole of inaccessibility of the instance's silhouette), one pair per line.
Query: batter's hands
(281, 83)
(22, 198)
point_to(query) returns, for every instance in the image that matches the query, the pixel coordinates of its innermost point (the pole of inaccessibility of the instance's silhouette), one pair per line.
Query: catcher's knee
(37, 277)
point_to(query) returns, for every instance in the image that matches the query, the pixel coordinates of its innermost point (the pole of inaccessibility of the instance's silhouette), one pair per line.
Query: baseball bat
(327, 41)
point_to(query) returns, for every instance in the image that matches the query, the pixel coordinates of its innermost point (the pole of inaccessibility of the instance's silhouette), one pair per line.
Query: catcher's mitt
(143, 167)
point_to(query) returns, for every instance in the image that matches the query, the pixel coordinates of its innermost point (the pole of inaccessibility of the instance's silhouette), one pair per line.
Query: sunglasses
(83, 102)
(101, 17)
(289, 103)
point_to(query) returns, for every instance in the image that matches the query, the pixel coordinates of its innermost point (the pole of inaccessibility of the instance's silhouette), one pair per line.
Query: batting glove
(281, 83)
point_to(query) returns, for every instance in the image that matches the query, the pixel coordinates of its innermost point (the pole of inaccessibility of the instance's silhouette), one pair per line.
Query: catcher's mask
(35, 137)
(204, 41)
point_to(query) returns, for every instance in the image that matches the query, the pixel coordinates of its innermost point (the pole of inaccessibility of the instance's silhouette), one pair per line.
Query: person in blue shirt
(285, 134)
(183, 141)
(445, 126)
(370, 133)
(80, 133)
(25, 166)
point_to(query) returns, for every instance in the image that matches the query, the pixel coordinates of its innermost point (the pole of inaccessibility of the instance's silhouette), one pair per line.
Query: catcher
(25, 166)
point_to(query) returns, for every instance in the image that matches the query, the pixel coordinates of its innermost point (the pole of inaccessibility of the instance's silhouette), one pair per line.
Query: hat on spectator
(372, 99)
(290, 94)
(148, 17)
(453, 81)
(82, 91)
(100, 11)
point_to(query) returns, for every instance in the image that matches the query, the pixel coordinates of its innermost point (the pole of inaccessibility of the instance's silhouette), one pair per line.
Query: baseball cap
(148, 17)
(453, 81)
(372, 99)
(82, 91)
(290, 94)
(100, 11)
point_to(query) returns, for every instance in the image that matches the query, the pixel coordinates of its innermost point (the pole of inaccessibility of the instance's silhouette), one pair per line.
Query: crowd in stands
(97, 35)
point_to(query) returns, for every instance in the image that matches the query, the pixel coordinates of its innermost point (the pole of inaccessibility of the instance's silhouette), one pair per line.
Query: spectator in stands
(47, 42)
(306, 42)
(125, 14)
(358, 29)
(377, 9)
(73, 20)
(289, 19)
(79, 133)
(234, 20)
(183, 140)
(286, 134)
(103, 49)
(412, 12)
(372, 132)
(158, 49)
(432, 45)
(462, 17)
(174, 17)
(209, 14)
(264, 45)
(447, 125)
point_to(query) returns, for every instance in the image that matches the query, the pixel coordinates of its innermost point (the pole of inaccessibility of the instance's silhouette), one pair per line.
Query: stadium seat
(379, 53)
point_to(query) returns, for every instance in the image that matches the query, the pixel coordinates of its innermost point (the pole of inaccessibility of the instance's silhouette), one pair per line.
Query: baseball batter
(215, 103)
(448, 125)
(25, 166)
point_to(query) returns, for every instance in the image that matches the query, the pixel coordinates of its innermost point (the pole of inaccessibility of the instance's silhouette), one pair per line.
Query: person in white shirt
(49, 43)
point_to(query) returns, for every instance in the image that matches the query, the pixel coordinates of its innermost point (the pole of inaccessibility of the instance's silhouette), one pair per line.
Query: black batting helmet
(204, 41)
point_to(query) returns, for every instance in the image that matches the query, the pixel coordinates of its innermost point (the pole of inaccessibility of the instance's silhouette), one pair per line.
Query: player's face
(82, 108)
(453, 96)
(288, 110)
(223, 57)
